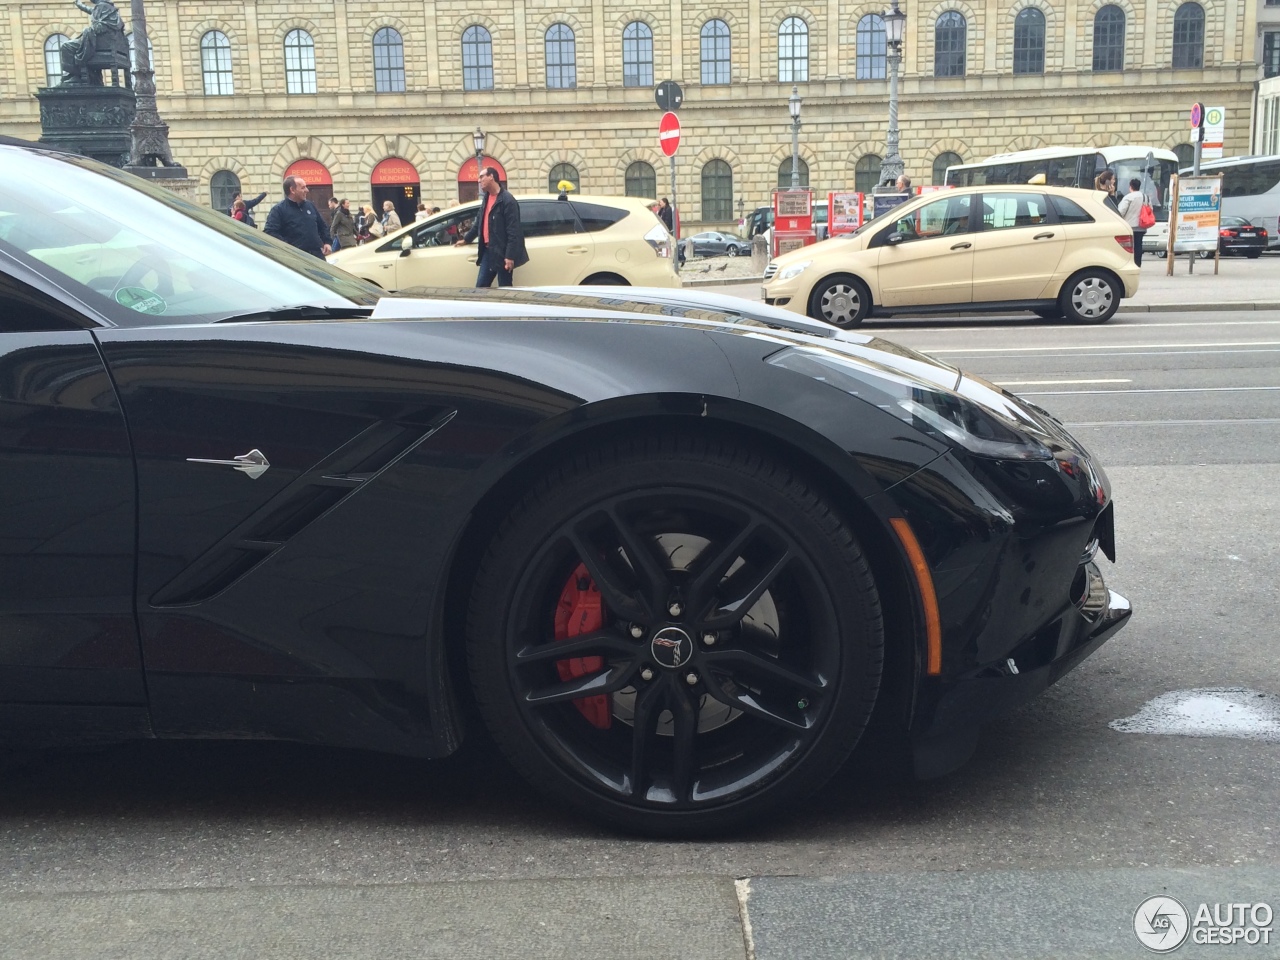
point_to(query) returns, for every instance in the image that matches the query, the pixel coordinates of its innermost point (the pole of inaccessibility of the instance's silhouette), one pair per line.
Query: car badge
(671, 647)
(253, 464)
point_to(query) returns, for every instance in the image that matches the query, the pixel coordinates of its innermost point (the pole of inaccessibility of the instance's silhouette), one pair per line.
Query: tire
(605, 280)
(679, 540)
(840, 300)
(1090, 296)
(732, 251)
(1049, 313)
(1162, 254)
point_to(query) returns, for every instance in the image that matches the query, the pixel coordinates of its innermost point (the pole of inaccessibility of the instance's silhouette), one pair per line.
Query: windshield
(138, 255)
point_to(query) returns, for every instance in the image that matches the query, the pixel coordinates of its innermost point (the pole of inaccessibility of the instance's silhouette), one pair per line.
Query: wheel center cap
(671, 647)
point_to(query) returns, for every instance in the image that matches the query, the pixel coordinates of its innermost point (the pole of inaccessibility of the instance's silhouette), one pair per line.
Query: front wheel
(1091, 296)
(675, 636)
(840, 300)
(733, 251)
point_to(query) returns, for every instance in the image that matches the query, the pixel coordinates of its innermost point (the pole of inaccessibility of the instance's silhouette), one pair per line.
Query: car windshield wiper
(302, 311)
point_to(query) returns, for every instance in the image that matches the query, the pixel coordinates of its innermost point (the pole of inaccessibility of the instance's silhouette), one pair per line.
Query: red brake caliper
(579, 611)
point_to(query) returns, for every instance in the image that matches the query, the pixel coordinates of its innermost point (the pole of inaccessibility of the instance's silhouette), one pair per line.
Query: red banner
(312, 171)
(394, 171)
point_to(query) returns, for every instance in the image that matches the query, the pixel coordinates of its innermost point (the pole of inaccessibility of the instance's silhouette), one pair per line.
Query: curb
(720, 281)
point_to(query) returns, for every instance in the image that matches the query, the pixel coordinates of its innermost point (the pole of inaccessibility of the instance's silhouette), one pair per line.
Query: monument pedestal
(90, 120)
(174, 179)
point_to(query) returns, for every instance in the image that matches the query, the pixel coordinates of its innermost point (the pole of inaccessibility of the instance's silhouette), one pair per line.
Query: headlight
(939, 413)
(794, 270)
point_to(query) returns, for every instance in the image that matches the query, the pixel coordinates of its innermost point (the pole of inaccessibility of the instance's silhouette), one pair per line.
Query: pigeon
(706, 269)
(723, 265)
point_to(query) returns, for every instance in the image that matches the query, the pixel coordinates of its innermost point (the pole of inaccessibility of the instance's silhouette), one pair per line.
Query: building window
(53, 59)
(641, 181)
(388, 61)
(1185, 153)
(215, 64)
(299, 62)
(1108, 39)
(871, 48)
(717, 191)
(1270, 54)
(866, 174)
(715, 52)
(1028, 41)
(223, 186)
(784, 173)
(562, 58)
(477, 59)
(563, 171)
(793, 51)
(949, 35)
(1188, 37)
(637, 55)
(940, 164)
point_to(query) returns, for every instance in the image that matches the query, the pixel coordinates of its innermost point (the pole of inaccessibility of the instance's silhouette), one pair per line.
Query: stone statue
(102, 46)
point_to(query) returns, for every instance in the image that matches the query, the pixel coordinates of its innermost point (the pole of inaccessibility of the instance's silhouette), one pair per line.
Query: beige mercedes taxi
(1056, 251)
(581, 240)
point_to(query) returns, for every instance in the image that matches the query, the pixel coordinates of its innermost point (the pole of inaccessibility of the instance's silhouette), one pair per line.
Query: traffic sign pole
(675, 217)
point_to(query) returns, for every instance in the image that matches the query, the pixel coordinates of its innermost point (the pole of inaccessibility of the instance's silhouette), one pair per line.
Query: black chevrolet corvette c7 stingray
(682, 555)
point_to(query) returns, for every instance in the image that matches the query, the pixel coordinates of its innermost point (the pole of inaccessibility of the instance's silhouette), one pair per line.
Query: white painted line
(1209, 712)
(1045, 383)
(1103, 393)
(743, 888)
(1101, 346)
(1168, 423)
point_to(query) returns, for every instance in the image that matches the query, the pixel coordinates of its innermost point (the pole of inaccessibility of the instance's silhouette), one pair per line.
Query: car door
(435, 260)
(1017, 248)
(67, 628)
(926, 255)
(560, 250)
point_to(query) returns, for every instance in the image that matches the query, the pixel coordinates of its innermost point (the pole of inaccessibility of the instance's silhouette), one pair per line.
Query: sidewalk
(1240, 285)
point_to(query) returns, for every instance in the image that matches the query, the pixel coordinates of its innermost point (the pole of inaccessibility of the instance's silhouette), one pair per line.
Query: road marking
(1167, 423)
(1095, 393)
(743, 889)
(1208, 712)
(1116, 346)
(1045, 383)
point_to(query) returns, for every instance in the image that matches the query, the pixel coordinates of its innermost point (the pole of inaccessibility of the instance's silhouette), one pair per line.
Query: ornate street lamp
(891, 168)
(477, 139)
(793, 105)
(148, 133)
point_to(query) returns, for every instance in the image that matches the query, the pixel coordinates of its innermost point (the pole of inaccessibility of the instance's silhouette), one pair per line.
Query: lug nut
(709, 639)
(675, 609)
(637, 631)
(691, 678)
(646, 673)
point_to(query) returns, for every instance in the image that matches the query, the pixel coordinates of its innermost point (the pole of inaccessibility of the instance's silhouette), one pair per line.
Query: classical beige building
(565, 90)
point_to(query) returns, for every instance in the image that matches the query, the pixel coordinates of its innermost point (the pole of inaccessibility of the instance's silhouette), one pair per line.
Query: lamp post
(793, 105)
(149, 135)
(891, 168)
(477, 139)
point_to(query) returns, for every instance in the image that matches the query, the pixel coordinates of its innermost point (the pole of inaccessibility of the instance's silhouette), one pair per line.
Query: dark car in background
(711, 243)
(1237, 235)
(680, 560)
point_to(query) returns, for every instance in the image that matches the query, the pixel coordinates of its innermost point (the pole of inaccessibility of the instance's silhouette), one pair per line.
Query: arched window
(53, 59)
(637, 55)
(949, 36)
(784, 173)
(133, 56)
(870, 62)
(715, 52)
(1028, 41)
(477, 58)
(793, 51)
(1188, 37)
(223, 185)
(299, 62)
(562, 58)
(1185, 153)
(388, 61)
(563, 171)
(215, 64)
(1108, 39)
(641, 181)
(717, 192)
(866, 174)
(940, 164)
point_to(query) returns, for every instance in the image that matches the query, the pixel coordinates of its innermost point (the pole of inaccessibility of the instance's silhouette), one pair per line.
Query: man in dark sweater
(498, 229)
(297, 222)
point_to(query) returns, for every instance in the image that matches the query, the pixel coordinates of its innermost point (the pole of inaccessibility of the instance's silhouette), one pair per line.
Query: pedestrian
(422, 213)
(390, 219)
(903, 183)
(237, 210)
(434, 211)
(364, 220)
(1131, 209)
(1106, 182)
(297, 222)
(248, 207)
(342, 225)
(498, 230)
(665, 215)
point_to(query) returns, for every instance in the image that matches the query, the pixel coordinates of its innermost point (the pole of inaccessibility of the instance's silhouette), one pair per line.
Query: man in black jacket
(297, 222)
(498, 229)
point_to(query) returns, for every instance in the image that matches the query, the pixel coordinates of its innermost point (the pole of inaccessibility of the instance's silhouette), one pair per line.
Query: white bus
(1250, 189)
(1076, 167)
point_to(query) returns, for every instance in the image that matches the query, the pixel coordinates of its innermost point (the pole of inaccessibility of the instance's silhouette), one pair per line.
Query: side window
(441, 231)
(1068, 210)
(1007, 211)
(940, 218)
(596, 216)
(23, 310)
(547, 218)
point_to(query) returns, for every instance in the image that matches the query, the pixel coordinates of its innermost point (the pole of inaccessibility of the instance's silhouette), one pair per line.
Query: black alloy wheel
(675, 636)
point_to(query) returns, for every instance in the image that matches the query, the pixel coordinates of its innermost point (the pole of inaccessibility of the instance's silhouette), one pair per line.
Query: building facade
(383, 100)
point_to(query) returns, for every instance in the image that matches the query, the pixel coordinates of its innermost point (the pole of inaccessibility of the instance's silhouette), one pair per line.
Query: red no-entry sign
(669, 133)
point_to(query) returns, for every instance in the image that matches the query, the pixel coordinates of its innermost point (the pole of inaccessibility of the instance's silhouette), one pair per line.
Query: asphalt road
(1043, 846)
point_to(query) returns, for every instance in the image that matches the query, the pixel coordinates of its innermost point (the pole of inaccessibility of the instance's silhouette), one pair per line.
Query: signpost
(1194, 217)
(669, 97)
(1215, 128)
